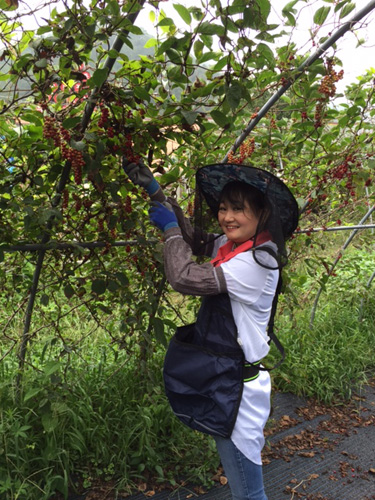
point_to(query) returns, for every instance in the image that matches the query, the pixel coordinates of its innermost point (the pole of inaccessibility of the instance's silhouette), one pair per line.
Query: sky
(356, 60)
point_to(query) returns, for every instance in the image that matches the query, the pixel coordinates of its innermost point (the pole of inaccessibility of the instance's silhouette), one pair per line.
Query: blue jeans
(244, 477)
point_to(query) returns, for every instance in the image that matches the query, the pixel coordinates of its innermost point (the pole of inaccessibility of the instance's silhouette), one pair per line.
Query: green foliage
(327, 359)
(100, 417)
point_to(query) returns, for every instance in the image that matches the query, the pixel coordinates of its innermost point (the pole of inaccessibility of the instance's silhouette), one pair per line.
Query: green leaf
(167, 21)
(233, 94)
(71, 122)
(219, 118)
(151, 43)
(207, 56)
(51, 367)
(347, 9)
(208, 28)
(98, 286)
(190, 116)
(321, 15)
(90, 30)
(291, 19)
(33, 118)
(166, 45)
(266, 52)
(78, 145)
(68, 291)
(99, 77)
(49, 422)
(220, 64)
(289, 7)
(114, 7)
(42, 63)
(159, 330)
(184, 13)
(141, 93)
(265, 8)
(31, 393)
(198, 48)
(44, 299)
(8, 4)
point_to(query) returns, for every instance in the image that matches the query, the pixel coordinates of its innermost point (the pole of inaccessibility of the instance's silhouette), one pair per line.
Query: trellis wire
(66, 245)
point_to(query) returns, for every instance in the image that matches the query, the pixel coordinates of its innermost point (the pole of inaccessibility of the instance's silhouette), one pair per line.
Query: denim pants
(244, 477)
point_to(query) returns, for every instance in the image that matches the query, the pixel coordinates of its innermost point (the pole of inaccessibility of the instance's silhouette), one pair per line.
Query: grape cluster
(128, 149)
(65, 198)
(103, 117)
(128, 205)
(51, 131)
(327, 86)
(76, 159)
(326, 89)
(245, 152)
(61, 138)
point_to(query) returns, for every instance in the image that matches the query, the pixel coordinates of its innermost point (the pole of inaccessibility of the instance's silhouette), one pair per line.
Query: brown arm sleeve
(185, 275)
(205, 240)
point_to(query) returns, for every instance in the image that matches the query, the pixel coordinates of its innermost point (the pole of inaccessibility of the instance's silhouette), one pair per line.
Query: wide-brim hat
(211, 179)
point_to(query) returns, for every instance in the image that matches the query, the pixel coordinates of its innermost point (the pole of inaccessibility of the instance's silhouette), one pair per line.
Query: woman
(255, 211)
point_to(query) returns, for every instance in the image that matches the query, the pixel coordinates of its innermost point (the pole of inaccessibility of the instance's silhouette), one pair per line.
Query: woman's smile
(238, 223)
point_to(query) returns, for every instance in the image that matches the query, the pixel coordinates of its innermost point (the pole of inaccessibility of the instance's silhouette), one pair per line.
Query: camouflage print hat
(211, 179)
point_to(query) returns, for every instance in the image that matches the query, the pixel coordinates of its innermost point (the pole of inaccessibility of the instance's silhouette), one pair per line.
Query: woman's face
(239, 223)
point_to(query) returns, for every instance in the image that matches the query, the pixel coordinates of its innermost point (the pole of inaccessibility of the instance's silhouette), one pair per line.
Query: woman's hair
(238, 193)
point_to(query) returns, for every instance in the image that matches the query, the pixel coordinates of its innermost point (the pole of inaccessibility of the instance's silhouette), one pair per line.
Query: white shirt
(251, 289)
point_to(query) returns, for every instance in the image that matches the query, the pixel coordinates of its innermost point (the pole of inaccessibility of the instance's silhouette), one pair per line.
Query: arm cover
(206, 240)
(185, 275)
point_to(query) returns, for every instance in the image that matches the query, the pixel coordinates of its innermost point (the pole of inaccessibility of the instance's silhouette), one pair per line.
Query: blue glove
(162, 217)
(141, 175)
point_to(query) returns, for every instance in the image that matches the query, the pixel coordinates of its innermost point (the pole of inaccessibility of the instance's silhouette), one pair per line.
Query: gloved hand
(162, 217)
(140, 175)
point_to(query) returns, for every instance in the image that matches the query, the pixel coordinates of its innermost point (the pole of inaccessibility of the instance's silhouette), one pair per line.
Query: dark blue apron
(204, 369)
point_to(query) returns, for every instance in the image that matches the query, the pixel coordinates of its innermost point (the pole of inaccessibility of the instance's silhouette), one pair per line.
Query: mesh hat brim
(211, 179)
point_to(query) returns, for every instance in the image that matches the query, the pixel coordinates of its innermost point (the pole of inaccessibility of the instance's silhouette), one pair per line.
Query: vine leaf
(347, 9)
(8, 4)
(321, 15)
(233, 94)
(183, 12)
(219, 118)
(99, 77)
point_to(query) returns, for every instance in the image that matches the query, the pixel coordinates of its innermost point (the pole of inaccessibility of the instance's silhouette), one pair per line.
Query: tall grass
(94, 423)
(327, 360)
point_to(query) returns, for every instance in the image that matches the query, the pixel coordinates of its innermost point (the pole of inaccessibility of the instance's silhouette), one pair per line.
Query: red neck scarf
(227, 252)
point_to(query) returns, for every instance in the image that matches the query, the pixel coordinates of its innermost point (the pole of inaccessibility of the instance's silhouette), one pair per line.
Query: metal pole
(336, 228)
